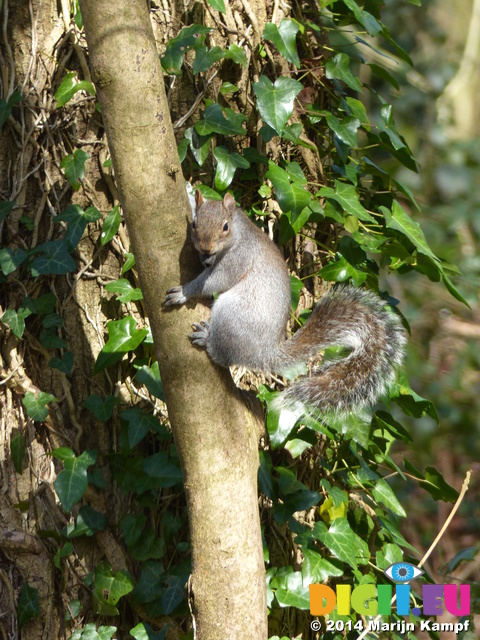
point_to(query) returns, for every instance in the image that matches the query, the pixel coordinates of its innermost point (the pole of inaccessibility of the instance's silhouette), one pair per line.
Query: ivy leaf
(275, 101)
(218, 5)
(17, 450)
(347, 198)
(199, 145)
(110, 225)
(399, 220)
(7, 105)
(345, 130)
(160, 467)
(150, 377)
(316, 569)
(382, 492)
(124, 290)
(150, 585)
(123, 336)
(74, 167)
(102, 409)
(69, 87)
(174, 593)
(54, 259)
(28, 605)
(339, 69)
(371, 24)
(217, 120)
(139, 424)
(63, 364)
(291, 195)
(143, 631)
(433, 482)
(284, 38)
(205, 58)
(10, 260)
(188, 38)
(109, 587)
(343, 542)
(132, 526)
(227, 164)
(293, 593)
(6, 207)
(88, 522)
(36, 406)
(16, 320)
(72, 482)
(237, 54)
(77, 220)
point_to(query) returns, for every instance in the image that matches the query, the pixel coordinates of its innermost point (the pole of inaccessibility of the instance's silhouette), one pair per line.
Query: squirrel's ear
(198, 198)
(229, 204)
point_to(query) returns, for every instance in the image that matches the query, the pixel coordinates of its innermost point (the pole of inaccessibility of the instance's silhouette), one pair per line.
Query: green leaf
(7, 105)
(150, 377)
(139, 425)
(371, 25)
(28, 605)
(237, 54)
(347, 198)
(63, 364)
(433, 482)
(16, 320)
(143, 631)
(228, 87)
(17, 451)
(160, 467)
(227, 164)
(72, 482)
(54, 259)
(123, 336)
(6, 207)
(199, 145)
(132, 526)
(124, 290)
(341, 540)
(275, 101)
(110, 225)
(150, 585)
(74, 167)
(316, 569)
(205, 58)
(284, 38)
(345, 130)
(217, 120)
(69, 87)
(10, 260)
(109, 587)
(218, 5)
(382, 492)
(129, 263)
(77, 220)
(102, 409)
(339, 69)
(88, 522)
(294, 593)
(189, 37)
(36, 406)
(291, 195)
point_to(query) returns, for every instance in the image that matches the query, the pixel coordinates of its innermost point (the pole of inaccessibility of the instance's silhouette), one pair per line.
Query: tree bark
(215, 432)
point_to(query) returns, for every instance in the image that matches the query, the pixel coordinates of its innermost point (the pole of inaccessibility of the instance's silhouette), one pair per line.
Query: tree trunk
(215, 433)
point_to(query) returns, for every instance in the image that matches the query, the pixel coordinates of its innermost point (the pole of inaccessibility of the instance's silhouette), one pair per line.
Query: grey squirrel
(249, 318)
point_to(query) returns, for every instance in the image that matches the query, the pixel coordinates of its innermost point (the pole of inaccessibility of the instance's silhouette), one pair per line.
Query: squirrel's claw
(200, 334)
(174, 296)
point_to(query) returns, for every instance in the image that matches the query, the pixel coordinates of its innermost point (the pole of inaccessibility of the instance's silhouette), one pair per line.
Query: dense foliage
(322, 168)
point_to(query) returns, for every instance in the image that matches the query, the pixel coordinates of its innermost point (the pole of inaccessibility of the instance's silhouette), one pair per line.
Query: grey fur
(249, 318)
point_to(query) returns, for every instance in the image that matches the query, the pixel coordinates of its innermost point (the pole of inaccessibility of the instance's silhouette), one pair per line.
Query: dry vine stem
(437, 539)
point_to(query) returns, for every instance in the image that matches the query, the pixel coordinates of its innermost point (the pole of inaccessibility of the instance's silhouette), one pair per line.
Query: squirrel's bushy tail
(357, 321)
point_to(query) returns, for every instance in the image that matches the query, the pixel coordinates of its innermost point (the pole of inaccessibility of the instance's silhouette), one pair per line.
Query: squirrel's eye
(225, 227)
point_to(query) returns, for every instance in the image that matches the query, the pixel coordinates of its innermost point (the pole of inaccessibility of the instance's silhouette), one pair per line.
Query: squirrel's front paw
(200, 335)
(174, 296)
